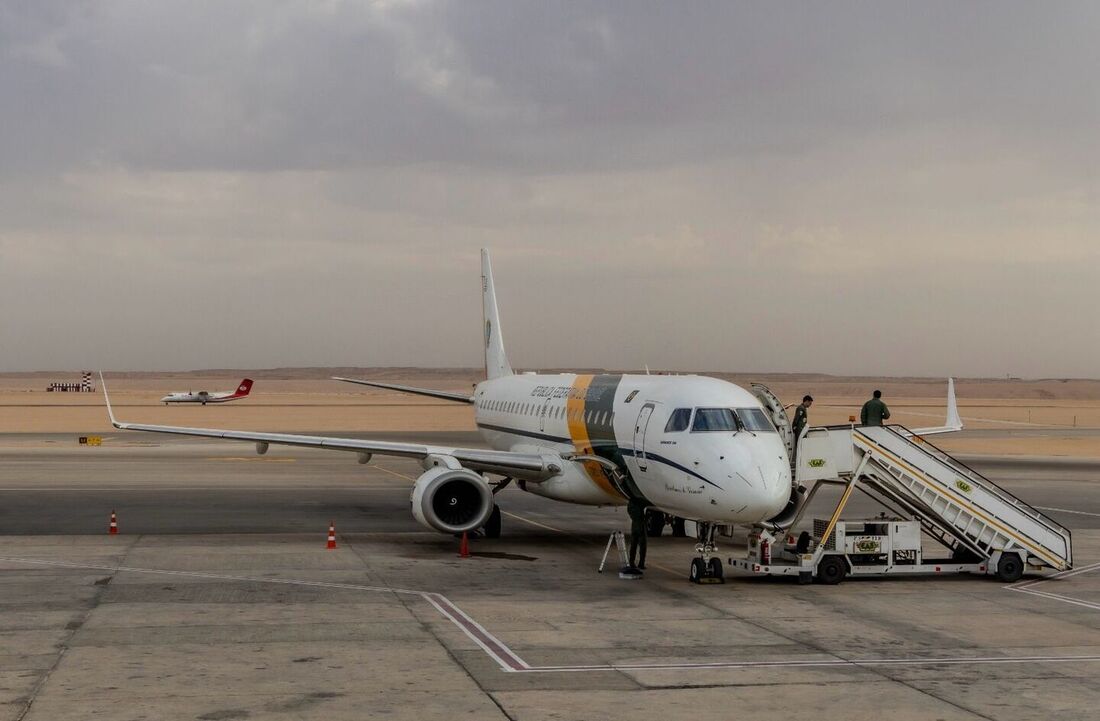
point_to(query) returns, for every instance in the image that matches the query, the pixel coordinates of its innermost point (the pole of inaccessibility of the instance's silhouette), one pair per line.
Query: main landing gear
(491, 529)
(706, 567)
(655, 522)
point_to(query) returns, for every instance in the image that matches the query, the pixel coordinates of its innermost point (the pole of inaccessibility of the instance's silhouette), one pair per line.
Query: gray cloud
(890, 189)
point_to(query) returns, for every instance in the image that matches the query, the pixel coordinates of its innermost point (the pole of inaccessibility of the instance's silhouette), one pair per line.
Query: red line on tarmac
(489, 643)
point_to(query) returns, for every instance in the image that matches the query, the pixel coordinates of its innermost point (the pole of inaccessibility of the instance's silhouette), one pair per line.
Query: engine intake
(452, 500)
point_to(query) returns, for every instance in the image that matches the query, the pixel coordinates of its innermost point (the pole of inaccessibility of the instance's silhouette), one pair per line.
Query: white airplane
(205, 397)
(690, 446)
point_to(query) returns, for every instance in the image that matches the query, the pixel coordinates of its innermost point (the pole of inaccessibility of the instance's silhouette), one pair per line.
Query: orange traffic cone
(331, 535)
(113, 528)
(464, 546)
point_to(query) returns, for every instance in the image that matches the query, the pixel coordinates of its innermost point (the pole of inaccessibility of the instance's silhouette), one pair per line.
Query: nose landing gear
(706, 567)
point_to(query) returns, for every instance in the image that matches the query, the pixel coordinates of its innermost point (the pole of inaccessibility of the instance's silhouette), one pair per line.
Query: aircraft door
(640, 428)
(779, 415)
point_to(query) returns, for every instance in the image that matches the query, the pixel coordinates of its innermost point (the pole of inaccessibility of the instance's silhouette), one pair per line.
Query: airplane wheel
(654, 523)
(831, 570)
(678, 530)
(1010, 568)
(716, 568)
(492, 526)
(698, 570)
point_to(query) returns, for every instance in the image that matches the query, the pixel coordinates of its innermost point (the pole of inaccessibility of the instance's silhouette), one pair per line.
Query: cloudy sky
(871, 188)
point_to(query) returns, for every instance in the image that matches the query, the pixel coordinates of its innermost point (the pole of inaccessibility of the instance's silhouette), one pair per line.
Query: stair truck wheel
(715, 567)
(698, 570)
(654, 523)
(1010, 567)
(831, 570)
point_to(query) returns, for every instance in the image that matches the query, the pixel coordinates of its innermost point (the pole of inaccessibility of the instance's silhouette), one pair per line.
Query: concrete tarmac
(218, 600)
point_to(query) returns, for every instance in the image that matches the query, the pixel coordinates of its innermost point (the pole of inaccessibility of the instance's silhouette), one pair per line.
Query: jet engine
(452, 500)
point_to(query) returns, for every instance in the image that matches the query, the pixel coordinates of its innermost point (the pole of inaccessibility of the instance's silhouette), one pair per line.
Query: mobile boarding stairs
(985, 529)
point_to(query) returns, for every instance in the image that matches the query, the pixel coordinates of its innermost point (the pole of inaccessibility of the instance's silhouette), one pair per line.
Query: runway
(221, 558)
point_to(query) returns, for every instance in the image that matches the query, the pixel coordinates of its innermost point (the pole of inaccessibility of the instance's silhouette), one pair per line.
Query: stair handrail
(986, 484)
(955, 464)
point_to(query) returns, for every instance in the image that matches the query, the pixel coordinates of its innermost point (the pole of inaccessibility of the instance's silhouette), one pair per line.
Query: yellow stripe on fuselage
(578, 433)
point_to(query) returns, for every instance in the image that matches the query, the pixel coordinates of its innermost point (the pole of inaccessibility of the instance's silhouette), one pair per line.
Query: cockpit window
(714, 419)
(754, 419)
(678, 421)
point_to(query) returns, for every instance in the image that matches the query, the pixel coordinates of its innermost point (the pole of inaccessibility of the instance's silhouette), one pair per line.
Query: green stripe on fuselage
(599, 404)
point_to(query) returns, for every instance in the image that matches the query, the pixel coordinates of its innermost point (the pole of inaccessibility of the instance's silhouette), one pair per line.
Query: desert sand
(305, 400)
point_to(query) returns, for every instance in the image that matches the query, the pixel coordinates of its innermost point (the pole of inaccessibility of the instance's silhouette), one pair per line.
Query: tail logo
(488, 332)
(243, 388)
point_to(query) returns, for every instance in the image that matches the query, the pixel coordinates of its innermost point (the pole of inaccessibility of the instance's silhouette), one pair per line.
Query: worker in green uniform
(801, 417)
(636, 508)
(874, 411)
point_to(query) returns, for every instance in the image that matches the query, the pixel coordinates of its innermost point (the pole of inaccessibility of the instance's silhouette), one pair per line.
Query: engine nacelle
(452, 500)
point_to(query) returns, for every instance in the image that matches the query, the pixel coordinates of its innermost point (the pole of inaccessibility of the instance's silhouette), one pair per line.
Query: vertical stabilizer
(496, 362)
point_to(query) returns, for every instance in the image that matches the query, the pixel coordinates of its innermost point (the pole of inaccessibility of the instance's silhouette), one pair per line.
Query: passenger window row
(556, 412)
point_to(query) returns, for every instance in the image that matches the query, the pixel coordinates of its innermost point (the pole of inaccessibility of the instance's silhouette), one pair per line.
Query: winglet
(954, 420)
(107, 398)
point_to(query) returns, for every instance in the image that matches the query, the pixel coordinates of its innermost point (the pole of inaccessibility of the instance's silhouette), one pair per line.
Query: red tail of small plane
(243, 388)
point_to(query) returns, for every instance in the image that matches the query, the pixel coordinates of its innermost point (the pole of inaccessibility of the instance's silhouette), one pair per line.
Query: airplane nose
(773, 478)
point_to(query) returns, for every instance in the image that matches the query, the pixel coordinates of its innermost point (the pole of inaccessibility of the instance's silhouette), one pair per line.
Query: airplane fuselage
(719, 459)
(205, 397)
(200, 397)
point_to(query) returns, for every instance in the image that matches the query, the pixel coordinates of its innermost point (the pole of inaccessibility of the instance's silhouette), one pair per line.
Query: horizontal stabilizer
(456, 397)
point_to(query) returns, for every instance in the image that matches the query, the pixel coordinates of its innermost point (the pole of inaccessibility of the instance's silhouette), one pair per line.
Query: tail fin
(496, 362)
(243, 388)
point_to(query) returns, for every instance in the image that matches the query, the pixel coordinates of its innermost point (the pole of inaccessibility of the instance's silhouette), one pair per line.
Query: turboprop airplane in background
(205, 397)
(689, 446)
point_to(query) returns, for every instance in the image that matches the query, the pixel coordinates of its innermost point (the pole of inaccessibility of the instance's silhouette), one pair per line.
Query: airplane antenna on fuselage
(496, 362)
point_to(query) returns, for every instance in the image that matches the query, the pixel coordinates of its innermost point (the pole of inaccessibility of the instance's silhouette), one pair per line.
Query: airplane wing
(528, 466)
(953, 422)
(458, 397)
